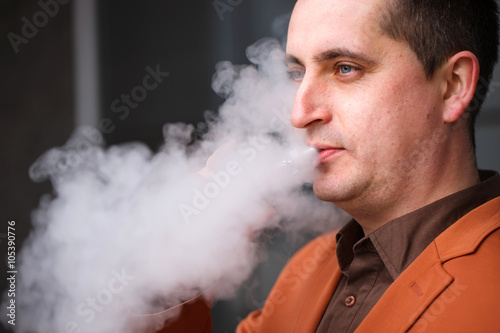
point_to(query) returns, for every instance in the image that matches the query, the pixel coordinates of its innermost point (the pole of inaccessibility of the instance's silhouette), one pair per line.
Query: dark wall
(36, 108)
(186, 39)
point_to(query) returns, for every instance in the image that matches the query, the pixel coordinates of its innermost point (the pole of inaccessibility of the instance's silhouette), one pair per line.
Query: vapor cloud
(129, 227)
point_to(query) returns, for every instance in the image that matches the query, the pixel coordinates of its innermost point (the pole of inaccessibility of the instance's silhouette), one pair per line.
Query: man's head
(389, 125)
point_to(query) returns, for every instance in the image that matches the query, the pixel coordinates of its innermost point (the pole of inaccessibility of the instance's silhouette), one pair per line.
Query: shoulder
(471, 247)
(480, 263)
(473, 295)
(471, 301)
(476, 234)
(467, 257)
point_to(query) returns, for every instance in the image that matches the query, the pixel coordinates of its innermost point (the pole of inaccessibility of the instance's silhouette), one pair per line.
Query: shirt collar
(400, 241)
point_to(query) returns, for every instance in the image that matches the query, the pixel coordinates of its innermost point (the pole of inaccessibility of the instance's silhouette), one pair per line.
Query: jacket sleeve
(190, 316)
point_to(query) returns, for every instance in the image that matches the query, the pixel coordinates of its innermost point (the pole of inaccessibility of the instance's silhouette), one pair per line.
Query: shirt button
(350, 301)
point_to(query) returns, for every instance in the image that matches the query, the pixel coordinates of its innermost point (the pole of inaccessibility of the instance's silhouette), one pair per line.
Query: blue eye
(346, 69)
(296, 75)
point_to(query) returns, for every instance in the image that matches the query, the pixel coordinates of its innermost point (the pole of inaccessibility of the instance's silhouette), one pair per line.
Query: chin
(325, 192)
(337, 189)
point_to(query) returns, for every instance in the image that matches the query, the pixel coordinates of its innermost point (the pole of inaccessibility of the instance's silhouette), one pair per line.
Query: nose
(312, 105)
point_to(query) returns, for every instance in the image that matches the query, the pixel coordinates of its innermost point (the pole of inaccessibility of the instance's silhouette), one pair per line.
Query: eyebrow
(290, 59)
(331, 55)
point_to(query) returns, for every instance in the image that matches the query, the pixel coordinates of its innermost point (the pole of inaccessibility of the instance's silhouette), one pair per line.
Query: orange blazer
(453, 286)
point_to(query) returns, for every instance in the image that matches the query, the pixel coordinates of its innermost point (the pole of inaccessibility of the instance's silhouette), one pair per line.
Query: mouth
(326, 153)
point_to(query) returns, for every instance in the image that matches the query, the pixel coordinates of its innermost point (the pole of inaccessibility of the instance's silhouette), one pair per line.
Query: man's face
(364, 100)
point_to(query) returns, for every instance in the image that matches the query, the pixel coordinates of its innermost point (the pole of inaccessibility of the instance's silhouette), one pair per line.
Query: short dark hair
(438, 29)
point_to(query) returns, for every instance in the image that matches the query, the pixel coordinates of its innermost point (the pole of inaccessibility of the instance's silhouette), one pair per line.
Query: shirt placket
(361, 277)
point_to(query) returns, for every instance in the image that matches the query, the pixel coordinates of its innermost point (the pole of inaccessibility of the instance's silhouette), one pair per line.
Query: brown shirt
(370, 264)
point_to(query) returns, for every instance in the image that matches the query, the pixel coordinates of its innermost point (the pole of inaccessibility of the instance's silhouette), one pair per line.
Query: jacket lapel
(318, 298)
(421, 283)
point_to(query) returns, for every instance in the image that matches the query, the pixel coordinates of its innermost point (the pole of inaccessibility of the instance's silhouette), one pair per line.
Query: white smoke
(128, 227)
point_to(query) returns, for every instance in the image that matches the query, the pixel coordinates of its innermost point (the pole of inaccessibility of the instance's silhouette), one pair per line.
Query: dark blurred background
(69, 63)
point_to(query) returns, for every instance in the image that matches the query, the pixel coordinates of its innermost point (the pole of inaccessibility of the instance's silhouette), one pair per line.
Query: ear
(461, 75)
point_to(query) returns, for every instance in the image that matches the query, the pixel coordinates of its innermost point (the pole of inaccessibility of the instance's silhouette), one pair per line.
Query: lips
(327, 153)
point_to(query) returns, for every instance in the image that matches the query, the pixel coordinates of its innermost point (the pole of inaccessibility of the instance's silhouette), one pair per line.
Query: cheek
(390, 113)
(408, 103)
(412, 94)
(366, 119)
(385, 124)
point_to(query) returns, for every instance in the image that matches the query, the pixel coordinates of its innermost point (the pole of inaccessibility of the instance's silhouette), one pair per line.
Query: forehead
(318, 25)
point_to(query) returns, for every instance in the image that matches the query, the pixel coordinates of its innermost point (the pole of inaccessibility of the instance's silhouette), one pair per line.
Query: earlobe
(462, 74)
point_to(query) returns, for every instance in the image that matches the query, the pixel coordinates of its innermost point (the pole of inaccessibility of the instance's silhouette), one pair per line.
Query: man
(388, 91)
